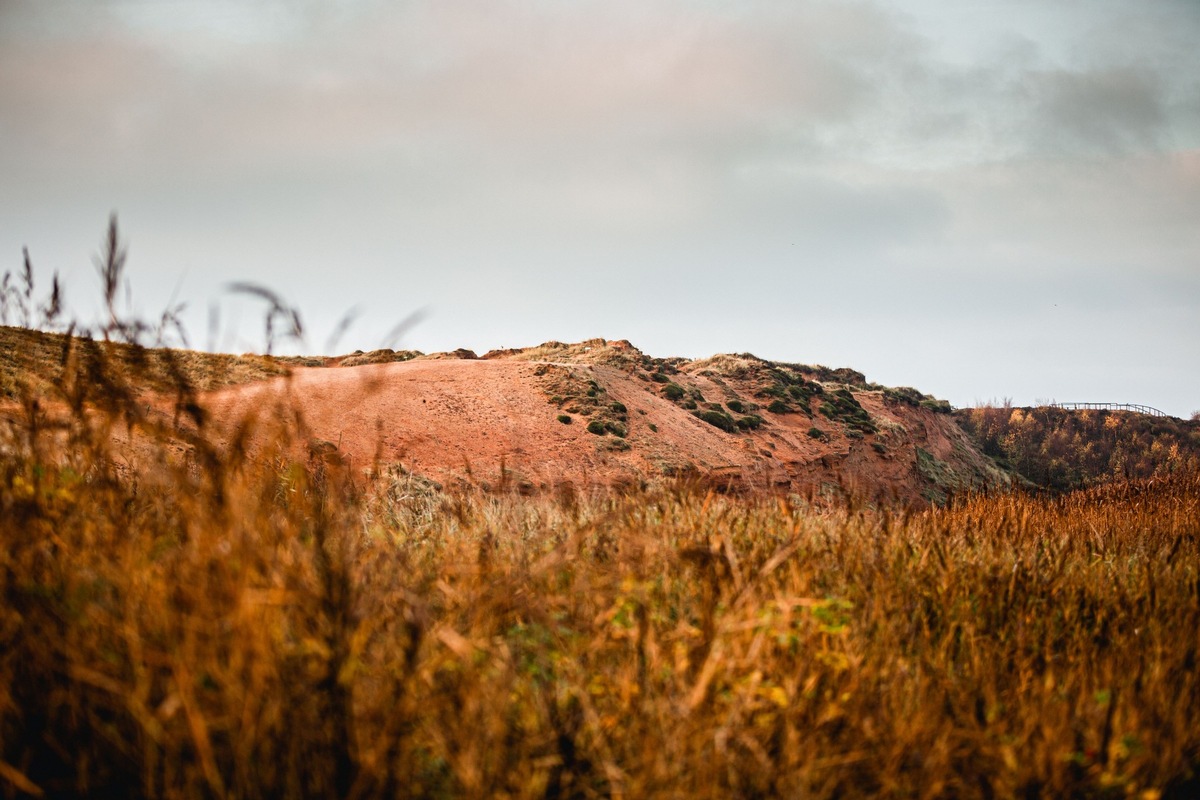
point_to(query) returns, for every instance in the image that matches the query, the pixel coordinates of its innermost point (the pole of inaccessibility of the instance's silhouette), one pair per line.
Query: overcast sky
(979, 199)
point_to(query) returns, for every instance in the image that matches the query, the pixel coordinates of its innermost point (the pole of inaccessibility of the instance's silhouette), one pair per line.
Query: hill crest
(602, 412)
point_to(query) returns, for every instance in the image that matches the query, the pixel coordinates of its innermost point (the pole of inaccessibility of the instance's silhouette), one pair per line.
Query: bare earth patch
(598, 415)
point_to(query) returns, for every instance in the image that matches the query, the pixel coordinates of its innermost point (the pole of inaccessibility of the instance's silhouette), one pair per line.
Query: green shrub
(618, 407)
(718, 419)
(597, 427)
(841, 406)
(937, 406)
(653, 428)
(905, 395)
(659, 377)
(803, 391)
(565, 419)
(776, 390)
(750, 422)
(909, 396)
(816, 433)
(736, 406)
(690, 405)
(673, 392)
(615, 428)
(779, 407)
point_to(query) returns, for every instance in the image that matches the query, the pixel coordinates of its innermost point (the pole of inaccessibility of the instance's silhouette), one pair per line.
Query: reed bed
(210, 619)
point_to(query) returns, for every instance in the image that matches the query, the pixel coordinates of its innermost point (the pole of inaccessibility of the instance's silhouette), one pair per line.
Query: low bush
(597, 427)
(841, 406)
(905, 395)
(937, 406)
(750, 422)
(909, 396)
(615, 428)
(565, 419)
(718, 419)
(776, 390)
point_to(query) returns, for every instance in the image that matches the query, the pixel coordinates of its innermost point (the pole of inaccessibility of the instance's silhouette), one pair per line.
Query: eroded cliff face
(745, 424)
(602, 413)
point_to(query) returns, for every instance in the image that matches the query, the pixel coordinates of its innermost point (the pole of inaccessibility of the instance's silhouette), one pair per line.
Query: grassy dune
(32, 359)
(197, 622)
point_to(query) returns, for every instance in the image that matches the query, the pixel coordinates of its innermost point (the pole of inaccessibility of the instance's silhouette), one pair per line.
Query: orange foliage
(1060, 449)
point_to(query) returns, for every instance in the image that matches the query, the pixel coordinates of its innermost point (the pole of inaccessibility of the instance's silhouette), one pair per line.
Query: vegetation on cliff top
(1062, 450)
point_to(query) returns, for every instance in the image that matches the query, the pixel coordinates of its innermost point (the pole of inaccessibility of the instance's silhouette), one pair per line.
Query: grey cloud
(437, 75)
(1110, 111)
(810, 180)
(1077, 215)
(391, 80)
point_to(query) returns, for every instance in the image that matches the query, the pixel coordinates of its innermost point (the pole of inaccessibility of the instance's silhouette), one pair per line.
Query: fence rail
(1153, 412)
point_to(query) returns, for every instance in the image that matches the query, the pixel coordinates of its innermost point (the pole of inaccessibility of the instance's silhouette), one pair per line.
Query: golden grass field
(203, 621)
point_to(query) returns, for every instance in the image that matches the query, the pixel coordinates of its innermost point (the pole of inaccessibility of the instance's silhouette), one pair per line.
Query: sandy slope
(496, 421)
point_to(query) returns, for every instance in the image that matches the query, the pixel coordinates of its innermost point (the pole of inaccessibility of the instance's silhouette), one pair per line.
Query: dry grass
(34, 359)
(197, 621)
(220, 625)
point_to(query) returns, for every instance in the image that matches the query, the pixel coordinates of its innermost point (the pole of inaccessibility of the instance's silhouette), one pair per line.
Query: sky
(984, 200)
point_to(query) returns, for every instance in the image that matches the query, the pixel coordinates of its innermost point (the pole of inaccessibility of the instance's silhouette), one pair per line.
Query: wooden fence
(1137, 409)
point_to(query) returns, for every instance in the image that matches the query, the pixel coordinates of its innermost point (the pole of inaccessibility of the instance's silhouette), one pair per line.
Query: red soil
(497, 421)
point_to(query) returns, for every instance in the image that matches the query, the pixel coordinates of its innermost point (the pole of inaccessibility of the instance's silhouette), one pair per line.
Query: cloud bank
(985, 203)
